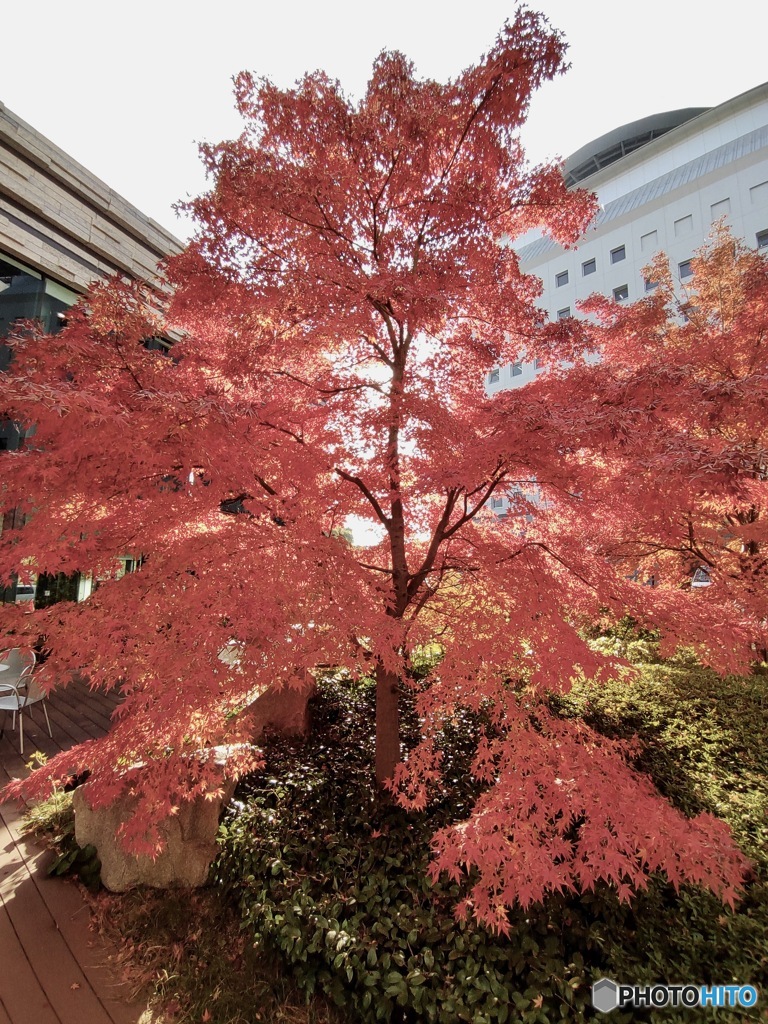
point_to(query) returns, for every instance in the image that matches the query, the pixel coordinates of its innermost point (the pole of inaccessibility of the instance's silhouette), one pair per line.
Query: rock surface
(283, 709)
(189, 837)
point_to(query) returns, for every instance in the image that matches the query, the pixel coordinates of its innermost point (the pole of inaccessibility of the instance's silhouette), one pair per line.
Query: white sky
(127, 89)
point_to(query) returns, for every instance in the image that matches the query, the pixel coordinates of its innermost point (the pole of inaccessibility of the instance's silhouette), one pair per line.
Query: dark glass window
(621, 293)
(685, 269)
(21, 294)
(27, 295)
(588, 267)
(619, 254)
(156, 345)
(561, 278)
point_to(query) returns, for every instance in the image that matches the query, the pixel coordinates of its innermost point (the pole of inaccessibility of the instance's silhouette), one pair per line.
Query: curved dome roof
(621, 141)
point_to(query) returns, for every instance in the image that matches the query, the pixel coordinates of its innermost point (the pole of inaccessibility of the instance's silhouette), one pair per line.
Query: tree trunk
(387, 724)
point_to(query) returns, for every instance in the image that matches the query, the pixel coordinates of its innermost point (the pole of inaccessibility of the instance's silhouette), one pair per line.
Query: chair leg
(47, 720)
(21, 733)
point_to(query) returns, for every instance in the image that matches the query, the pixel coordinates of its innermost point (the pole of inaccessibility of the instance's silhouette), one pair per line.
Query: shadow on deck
(52, 967)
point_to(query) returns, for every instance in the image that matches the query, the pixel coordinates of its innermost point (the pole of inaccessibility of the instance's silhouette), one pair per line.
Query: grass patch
(51, 822)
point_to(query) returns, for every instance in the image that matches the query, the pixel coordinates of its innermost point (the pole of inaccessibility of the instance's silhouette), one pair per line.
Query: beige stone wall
(62, 220)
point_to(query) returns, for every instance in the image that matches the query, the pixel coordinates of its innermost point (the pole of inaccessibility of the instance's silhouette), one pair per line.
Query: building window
(538, 364)
(762, 239)
(758, 194)
(650, 285)
(561, 278)
(721, 209)
(684, 269)
(563, 314)
(588, 267)
(649, 242)
(26, 294)
(497, 502)
(493, 377)
(621, 293)
(515, 369)
(156, 344)
(684, 226)
(619, 254)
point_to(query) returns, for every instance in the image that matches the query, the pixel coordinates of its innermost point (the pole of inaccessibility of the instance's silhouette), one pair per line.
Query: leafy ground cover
(322, 897)
(337, 882)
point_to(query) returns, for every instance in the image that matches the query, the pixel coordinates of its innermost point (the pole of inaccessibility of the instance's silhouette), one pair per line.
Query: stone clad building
(60, 229)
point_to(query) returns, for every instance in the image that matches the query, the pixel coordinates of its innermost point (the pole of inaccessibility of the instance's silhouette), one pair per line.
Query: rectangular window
(563, 314)
(515, 369)
(758, 194)
(621, 293)
(618, 254)
(721, 209)
(684, 269)
(588, 267)
(762, 239)
(156, 344)
(538, 364)
(683, 226)
(493, 377)
(650, 285)
(497, 502)
(561, 278)
(649, 242)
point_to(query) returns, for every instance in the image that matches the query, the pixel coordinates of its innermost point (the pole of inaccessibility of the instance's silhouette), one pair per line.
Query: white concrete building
(661, 183)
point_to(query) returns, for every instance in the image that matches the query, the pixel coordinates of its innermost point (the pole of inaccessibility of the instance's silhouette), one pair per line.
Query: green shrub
(703, 743)
(336, 881)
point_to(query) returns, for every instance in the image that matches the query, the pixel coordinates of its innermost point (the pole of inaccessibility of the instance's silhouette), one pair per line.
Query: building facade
(61, 228)
(662, 183)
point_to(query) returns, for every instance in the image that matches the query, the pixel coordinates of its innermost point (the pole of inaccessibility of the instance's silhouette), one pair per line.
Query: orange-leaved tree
(343, 299)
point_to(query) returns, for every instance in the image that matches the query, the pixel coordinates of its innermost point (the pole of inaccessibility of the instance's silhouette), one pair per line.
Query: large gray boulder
(189, 839)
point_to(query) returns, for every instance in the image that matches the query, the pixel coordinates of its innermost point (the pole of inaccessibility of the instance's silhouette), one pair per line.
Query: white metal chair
(18, 688)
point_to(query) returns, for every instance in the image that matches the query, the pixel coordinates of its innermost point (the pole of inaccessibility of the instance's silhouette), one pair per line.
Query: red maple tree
(678, 424)
(343, 299)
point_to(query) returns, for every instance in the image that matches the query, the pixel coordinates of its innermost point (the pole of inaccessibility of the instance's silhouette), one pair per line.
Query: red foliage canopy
(343, 299)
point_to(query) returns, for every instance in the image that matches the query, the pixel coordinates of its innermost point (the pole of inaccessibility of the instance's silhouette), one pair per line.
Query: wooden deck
(53, 969)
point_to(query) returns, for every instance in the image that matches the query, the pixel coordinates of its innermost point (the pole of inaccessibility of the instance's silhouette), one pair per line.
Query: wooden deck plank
(24, 1000)
(4, 1018)
(58, 973)
(90, 715)
(52, 968)
(71, 915)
